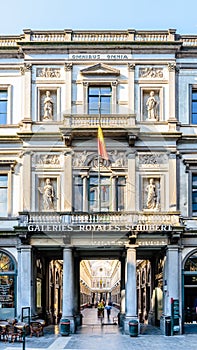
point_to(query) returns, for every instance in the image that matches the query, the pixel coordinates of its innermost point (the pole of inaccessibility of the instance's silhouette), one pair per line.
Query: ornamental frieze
(116, 159)
(153, 160)
(46, 160)
(150, 72)
(48, 72)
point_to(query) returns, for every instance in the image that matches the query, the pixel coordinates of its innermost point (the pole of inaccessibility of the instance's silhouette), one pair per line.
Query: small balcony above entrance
(84, 125)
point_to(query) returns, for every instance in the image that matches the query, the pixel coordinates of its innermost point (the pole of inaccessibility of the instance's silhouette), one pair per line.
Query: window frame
(193, 214)
(91, 83)
(8, 88)
(192, 89)
(6, 170)
(100, 96)
(114, 187)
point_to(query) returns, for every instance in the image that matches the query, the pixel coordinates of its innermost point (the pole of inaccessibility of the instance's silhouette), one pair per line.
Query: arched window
(191, 263)
(190, 288)
(7, 286)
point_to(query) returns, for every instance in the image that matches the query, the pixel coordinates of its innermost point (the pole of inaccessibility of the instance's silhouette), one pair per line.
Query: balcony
(83, 125)
(106, 221)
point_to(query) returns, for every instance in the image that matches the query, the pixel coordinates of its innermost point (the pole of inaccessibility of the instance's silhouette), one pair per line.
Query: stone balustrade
(112, 218)
(80, 121)
(98, 36)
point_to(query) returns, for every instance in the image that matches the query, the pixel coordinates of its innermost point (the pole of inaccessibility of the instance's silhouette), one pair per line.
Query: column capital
(68, 67)
(129, 246)
(131, 67)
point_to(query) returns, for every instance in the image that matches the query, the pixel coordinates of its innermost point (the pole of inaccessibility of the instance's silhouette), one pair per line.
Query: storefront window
(7, 286)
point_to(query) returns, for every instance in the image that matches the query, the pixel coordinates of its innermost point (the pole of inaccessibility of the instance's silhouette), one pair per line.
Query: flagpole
(99, 158)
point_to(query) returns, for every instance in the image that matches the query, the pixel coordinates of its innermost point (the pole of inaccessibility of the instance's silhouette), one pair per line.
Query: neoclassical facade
(61, 203)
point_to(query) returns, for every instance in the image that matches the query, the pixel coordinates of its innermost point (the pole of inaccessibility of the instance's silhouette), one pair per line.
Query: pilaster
(131, 183)
(24, 298)
(67, 206)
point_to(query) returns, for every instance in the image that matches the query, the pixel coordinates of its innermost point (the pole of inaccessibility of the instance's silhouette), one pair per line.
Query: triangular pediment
(100, 69)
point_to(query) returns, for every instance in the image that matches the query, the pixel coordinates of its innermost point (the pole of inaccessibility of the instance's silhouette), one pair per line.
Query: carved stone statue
(48, 193)
(48, 107)
(151, 104)
(151, 200)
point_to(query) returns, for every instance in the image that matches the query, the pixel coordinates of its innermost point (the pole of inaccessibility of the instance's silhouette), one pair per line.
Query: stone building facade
(56, 87)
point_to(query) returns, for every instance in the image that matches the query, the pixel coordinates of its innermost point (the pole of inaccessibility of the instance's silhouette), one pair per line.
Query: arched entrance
(190, 293)
(8, 295)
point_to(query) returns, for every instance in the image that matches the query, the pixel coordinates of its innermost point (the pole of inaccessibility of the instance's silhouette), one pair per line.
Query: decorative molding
(26, 68)
(100, 69)
(172, 67)
(50, 160)
(48, 72)
(131, 67)
(150, 72)
(68, 67)
(154, 160)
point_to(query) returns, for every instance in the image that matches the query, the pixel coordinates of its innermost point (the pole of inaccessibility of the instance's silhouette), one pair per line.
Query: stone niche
(48, 105)
(151, 194)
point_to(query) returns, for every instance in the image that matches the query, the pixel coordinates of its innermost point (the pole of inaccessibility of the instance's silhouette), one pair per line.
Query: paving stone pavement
(94, 336)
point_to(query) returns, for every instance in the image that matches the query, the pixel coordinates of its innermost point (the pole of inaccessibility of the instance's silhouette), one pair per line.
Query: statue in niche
(151, 200)
(48, 107)
(48, 194)
(151, 104)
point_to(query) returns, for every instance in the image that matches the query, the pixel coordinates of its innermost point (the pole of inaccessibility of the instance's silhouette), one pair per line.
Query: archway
(190, 293)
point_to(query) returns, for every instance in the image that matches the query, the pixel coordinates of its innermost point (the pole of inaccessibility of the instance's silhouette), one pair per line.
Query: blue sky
(17, 15)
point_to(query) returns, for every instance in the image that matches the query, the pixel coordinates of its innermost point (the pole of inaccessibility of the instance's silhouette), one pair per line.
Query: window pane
(3, 106)
(105, 90)
(3, 195)
(3, 118)
(194, 118)
(78, 194)
(194, 95)
(121, 193)
(7, 291)
(93, 90)
(3, 95)
(3, 180)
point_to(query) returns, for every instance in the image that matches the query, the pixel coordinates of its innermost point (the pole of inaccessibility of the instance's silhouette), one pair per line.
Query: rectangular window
(194, 194)
(121, 183)
(78, 193)
(105, 193)
(194, 106)
(99, 99)
(3, 106)
(3, 195)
